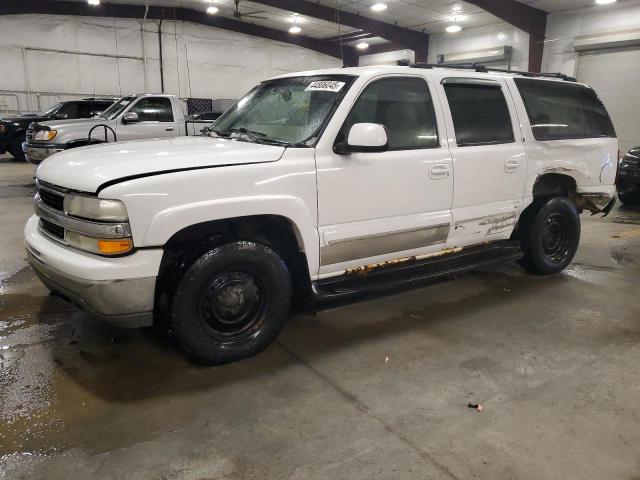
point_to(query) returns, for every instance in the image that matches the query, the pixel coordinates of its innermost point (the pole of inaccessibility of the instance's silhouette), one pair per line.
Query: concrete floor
(377, 390)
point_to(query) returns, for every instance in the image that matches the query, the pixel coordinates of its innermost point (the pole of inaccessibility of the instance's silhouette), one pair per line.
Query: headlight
(101, 246)
(93, 208)
(45, 134)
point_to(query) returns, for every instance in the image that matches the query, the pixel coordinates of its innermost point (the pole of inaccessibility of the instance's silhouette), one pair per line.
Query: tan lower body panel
(380, 244)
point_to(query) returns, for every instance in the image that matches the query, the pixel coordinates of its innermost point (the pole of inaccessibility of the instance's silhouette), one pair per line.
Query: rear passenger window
(480, 113)
(403, 106)
(561, 110)
(97, 108)
(154, 110)
(72, 110)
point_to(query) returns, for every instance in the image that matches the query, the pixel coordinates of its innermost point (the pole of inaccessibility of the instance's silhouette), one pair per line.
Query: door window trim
(489, 83)
(371, 81)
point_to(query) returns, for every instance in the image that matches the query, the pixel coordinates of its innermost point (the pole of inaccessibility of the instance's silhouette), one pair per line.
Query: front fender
(170, 221)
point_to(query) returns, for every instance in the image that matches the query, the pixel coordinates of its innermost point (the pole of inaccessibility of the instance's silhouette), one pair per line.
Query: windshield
(117, 107)
(291, 111)
(52, 110)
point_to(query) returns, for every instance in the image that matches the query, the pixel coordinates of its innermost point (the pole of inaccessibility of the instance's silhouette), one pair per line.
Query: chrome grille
(51, 198)
(52, 229)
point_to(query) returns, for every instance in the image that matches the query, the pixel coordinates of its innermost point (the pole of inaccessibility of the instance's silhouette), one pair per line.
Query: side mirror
(130, 117)
(61, 116)
(364, 137)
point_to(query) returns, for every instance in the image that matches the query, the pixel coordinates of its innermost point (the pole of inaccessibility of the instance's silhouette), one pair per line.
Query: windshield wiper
(257, 137)
(253, 135)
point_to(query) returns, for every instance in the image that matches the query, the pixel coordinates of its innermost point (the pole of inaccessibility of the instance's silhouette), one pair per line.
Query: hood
(62, 124)
(88, 168)
(23, 119)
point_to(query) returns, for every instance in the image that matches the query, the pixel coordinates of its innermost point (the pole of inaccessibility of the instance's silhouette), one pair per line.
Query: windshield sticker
(325, 86)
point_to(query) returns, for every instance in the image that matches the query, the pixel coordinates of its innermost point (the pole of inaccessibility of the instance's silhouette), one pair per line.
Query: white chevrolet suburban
(134, 117)
(318, 188)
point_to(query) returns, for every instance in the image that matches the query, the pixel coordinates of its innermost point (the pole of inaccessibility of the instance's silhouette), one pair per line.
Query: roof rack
(478, 67)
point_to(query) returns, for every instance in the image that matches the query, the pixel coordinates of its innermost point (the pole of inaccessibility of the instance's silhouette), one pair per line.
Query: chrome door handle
(511, 165)
(439, 171)
(168, 129)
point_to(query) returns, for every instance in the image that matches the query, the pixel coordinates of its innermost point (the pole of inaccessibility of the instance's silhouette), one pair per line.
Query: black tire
(15, 148)
(231, 303)
(550, 236)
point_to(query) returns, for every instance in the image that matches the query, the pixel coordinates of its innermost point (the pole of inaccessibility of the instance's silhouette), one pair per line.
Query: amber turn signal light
(114, 247)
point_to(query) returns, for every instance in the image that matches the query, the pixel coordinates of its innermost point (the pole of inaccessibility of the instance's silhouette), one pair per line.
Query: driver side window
(154, 109)
(403, 106)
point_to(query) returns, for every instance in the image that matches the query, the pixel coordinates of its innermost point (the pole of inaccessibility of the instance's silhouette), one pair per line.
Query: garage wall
(480, 38)
(199, 61)
(563, 28)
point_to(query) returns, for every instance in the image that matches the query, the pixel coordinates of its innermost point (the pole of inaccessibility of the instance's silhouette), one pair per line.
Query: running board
(392, 277)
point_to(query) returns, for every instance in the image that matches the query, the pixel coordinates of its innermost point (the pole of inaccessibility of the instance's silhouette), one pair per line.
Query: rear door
(489, 159)
(155, 120)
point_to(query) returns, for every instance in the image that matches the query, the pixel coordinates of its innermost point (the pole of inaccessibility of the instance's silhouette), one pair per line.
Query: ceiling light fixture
(295, 29)
(212, 10)
(362, 46)
(453, 28)
(295, 18)
(456, 8)
(379, 7)
(95, 3)
(605, 2)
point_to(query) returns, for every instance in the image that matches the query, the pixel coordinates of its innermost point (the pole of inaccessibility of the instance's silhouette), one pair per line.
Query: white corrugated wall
(199, 61)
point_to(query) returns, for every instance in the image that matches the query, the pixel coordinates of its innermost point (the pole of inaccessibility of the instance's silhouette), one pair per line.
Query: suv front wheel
(231, 303)
(550, 235)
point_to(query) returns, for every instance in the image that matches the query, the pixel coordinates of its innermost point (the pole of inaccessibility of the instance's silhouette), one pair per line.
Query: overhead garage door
(615, 75)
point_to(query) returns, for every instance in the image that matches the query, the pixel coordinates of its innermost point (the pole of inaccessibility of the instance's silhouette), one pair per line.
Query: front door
(489, 159)
(380, 206)
(155, 120)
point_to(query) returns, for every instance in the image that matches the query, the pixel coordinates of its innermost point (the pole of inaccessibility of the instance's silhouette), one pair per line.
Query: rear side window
(561, 110)
(403, 106)
(98, 107)
(480, 113)
(72, 110)
(154, 109)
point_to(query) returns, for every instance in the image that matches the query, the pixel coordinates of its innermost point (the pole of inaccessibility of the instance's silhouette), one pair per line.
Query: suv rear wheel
(231, 303)
(16, 148)
(550, 236)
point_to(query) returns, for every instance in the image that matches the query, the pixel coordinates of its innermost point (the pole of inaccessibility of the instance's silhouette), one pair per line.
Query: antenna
(339, 32)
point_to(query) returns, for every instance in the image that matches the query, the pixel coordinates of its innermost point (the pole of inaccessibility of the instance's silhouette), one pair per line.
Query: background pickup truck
(13, 129)
(134, 117)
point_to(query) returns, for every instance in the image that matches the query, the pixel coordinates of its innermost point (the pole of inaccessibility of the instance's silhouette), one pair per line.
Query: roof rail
(478, 67)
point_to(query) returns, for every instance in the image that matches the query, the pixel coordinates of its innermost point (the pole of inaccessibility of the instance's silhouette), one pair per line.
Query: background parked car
(629, 177)
(13, 129)
(134, 117)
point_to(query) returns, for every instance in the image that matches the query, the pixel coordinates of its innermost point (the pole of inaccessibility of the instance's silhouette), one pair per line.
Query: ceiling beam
(349, 37)
(412, 39)
(382, 48)
(16, 7)
(531, 20)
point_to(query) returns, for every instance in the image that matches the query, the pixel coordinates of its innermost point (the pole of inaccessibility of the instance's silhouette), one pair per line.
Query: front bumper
(37, 153)
(120, 291)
